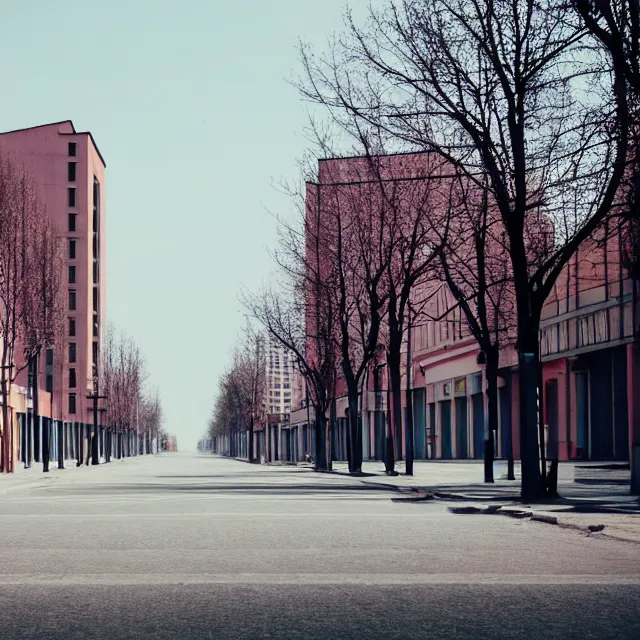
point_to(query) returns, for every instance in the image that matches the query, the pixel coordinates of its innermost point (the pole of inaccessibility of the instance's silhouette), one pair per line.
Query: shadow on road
(269, 488)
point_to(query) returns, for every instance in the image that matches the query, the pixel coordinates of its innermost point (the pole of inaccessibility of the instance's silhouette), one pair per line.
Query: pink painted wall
(445, 348)
(43, 152)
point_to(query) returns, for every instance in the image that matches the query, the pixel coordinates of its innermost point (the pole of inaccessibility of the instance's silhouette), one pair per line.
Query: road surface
(195, 546)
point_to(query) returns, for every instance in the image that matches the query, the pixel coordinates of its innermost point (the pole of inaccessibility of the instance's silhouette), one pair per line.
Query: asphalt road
(186, 546)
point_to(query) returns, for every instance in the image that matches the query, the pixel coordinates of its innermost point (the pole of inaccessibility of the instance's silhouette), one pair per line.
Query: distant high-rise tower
(279, 363)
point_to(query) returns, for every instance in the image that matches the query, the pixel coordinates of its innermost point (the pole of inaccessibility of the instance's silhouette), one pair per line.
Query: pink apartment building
(69, 172)
(590, 350)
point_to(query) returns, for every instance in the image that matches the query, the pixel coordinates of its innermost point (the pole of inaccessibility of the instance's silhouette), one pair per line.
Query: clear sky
(189, 105)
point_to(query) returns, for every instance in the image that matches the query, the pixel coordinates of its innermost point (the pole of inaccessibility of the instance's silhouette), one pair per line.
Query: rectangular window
(72, 352)
(72, 249)
(71, 226)
(94, 353)
(72, 274)
(72, 299)
(72, 327)
(95, 328)
(95, 272)
(72, 403)
(71, 191)
(96, 205)
(72, 149)
(72, 378)
(95, 246)
(95, 299)
(71, 171)
(48, 380)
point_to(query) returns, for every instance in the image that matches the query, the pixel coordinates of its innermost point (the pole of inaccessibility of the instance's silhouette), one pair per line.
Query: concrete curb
(446, 495)
(517, 513)
(414, 496)
(542, 518)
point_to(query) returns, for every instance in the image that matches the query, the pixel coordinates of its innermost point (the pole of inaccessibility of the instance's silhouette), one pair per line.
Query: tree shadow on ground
(258, 489)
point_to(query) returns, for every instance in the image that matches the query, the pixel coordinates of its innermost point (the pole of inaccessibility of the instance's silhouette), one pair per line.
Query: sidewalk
(34, 477)
(464, 479)
(594, 498)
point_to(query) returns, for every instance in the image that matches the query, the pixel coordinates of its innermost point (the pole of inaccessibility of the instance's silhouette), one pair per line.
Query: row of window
(71, 227)
(72, 253)
(73, 294)
(73, 243)
(72, 222)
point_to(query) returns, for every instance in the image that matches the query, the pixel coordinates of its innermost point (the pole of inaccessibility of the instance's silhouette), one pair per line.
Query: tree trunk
(389, 449)
(541, 423)
(46, 451)
(61, 435)
(95, 445)
(528, 325)
(4, 444)
(491, 372)
(330, 430)
(29, 441)
(354, 428)
(395, 379)
(79, 443)
(529, 460)
(633, 371)
(409, 404)
(90, 440)
(377, 395)
(320, 439)
(250, 443)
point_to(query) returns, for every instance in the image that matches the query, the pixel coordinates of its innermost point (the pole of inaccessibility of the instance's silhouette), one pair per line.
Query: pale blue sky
(189, 105)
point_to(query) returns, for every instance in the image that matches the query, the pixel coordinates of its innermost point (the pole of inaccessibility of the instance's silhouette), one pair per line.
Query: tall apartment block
(279, 364)
(69, 172)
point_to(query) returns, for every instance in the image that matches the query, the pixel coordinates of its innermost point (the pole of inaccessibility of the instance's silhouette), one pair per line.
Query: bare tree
(251, 362)
(616, 25)
(417, 229)
(305, 324)
(477, 272)
(504, 90)
(123, 375)
(300, 311)
(28, 286)
(350, 238)
(226, 411)
(151, 420)
(43, 310)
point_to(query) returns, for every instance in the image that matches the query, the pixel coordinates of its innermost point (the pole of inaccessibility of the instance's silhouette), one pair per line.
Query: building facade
(271, 435)
(588, 347)
(69, 173)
